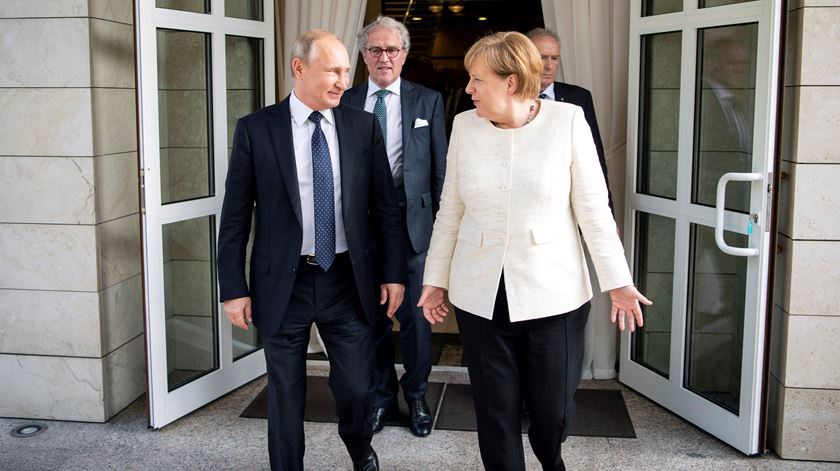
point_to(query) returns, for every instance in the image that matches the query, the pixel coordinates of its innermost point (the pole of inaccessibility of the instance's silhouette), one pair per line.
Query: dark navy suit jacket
(262, 170)
(424, 154)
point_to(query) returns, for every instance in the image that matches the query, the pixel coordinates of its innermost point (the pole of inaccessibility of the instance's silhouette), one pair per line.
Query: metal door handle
(719, 208)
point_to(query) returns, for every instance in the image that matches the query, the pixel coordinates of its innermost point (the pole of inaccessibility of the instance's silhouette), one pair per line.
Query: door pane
(659, 109)
(715, 322)
(725, 97)
(660, 7)
(196, 6)
(186, 151)
(654, 256)
(244, 72)
(245, 9)
(717, 3)
(190, 299)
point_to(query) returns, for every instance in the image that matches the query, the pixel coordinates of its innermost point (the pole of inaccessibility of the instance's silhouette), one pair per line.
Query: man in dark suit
(548, 43)
(325, 199)
(412, 120)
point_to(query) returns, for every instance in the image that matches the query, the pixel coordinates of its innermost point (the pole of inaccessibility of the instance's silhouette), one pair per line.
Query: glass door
(202, 65)
(701, 128)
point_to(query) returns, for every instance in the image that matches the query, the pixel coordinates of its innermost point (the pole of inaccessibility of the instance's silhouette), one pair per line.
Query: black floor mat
(600, 413)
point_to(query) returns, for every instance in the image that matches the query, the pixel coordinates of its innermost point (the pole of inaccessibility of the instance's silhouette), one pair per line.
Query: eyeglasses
(377, 51)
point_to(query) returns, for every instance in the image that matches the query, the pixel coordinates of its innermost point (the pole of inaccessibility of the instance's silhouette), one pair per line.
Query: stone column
(71, 322)
(804, 387)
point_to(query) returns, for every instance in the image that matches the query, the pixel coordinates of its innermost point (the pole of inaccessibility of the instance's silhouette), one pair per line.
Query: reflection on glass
(659, 111)
(660, 7)
(718, 3)
(186, 152)
(245, 9)
(244, 72)
(715, 323)
(654, 256)
(189, 298)
(196, 6)
(725, 102)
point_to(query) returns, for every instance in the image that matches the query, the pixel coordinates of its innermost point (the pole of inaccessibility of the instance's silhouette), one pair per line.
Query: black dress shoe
(369, 463)
(420, 420)
(380, 415)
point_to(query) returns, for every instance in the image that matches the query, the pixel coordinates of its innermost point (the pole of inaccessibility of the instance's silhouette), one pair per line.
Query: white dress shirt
(394, 141)
(549, 92)
(302, 129)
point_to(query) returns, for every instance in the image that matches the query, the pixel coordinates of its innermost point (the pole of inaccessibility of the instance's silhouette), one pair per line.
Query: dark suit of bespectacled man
(548, 44)
(412, 119)
(316, 175)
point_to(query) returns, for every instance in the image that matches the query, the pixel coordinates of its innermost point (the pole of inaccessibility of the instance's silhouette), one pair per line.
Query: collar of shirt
(300, 112)
(549, 91)
(393, 88)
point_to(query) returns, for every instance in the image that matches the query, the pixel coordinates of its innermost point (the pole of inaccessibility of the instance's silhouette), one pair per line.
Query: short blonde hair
(510, 53)
(302, 48)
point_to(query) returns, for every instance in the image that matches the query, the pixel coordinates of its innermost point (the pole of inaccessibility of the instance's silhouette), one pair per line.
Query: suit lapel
(560, 92)
(408, 101)
(356, 96)
(345, 157)
(280, 130)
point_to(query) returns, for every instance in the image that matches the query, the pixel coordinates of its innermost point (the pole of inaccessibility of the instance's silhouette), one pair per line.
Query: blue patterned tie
(322, 189)
(381, 113)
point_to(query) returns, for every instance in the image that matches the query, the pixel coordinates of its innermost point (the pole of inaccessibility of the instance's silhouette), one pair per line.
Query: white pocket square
(420, 122)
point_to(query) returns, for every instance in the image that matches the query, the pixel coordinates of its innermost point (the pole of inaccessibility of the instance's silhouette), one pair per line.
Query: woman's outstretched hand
(625, 307)
(433, 304)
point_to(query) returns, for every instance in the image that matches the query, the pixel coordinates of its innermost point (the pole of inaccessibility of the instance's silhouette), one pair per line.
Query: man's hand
(238, 311)
(625, 307)
(433, 304)
(393, 294)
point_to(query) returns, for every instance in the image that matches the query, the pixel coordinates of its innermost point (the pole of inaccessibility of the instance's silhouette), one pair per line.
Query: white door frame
(166, 406)
(740, 431)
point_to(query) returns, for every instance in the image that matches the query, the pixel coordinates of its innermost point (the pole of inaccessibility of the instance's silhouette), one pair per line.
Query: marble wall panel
(793, 48)
(192, 288)
(124, 372)
(120, 11)
(114, 121)
(30, 191)
(117, 185)
(46, 387)
(662, 174)
(812, 278)
(48, 257)
(49, 323)
(711, 362)
(811, 424)
(187, 173)
(183, 118)
(39, 52)
(245, 9)
(777, 359)
(812, 352)
(182, 60)
(43, 8)
(242, 66)
(657, 351)
(816, 125)
(46, 121)
(665, 108)
(196, 6)
(812, 201)
(111, 54)
(193, 342)
(775, 413)
(239, 104)
(119, 250)
(189, 239)
(121, 313)
(820, 47)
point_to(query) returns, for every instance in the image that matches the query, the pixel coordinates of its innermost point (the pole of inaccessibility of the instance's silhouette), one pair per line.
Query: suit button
(292, 270)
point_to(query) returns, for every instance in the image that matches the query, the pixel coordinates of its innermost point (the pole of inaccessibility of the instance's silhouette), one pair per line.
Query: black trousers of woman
(539, 360)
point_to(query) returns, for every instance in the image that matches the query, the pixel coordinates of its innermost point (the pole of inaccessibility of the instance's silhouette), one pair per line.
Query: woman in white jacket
(522, 177)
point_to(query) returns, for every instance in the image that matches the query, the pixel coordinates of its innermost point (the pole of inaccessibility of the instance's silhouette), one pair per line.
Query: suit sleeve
(589, 113)
(235, 224)
(438, 151)
(447, 223)
(385, 213)
(589, 204)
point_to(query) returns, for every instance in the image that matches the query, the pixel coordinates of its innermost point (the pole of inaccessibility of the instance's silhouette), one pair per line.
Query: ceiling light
(482, 18)
(456, 6)
(436, 7)
(416, 18)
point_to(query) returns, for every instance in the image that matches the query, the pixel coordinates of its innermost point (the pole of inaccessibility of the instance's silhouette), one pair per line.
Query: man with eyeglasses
(412, 120)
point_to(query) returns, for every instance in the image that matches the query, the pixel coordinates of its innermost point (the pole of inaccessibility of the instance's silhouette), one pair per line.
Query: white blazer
(514, 199)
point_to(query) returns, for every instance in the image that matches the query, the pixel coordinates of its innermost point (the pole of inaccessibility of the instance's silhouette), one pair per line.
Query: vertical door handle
(719, 209)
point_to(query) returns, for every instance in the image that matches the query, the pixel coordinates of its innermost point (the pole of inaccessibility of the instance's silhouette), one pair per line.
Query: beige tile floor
(215, 438)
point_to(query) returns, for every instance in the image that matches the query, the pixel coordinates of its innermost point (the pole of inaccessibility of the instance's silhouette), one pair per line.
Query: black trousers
(330, 300)
(415, 339)
(539, 360)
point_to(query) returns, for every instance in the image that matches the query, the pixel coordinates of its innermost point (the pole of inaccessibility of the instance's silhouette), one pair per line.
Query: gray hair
(302, 47)
(385, 22)
(536, 32)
